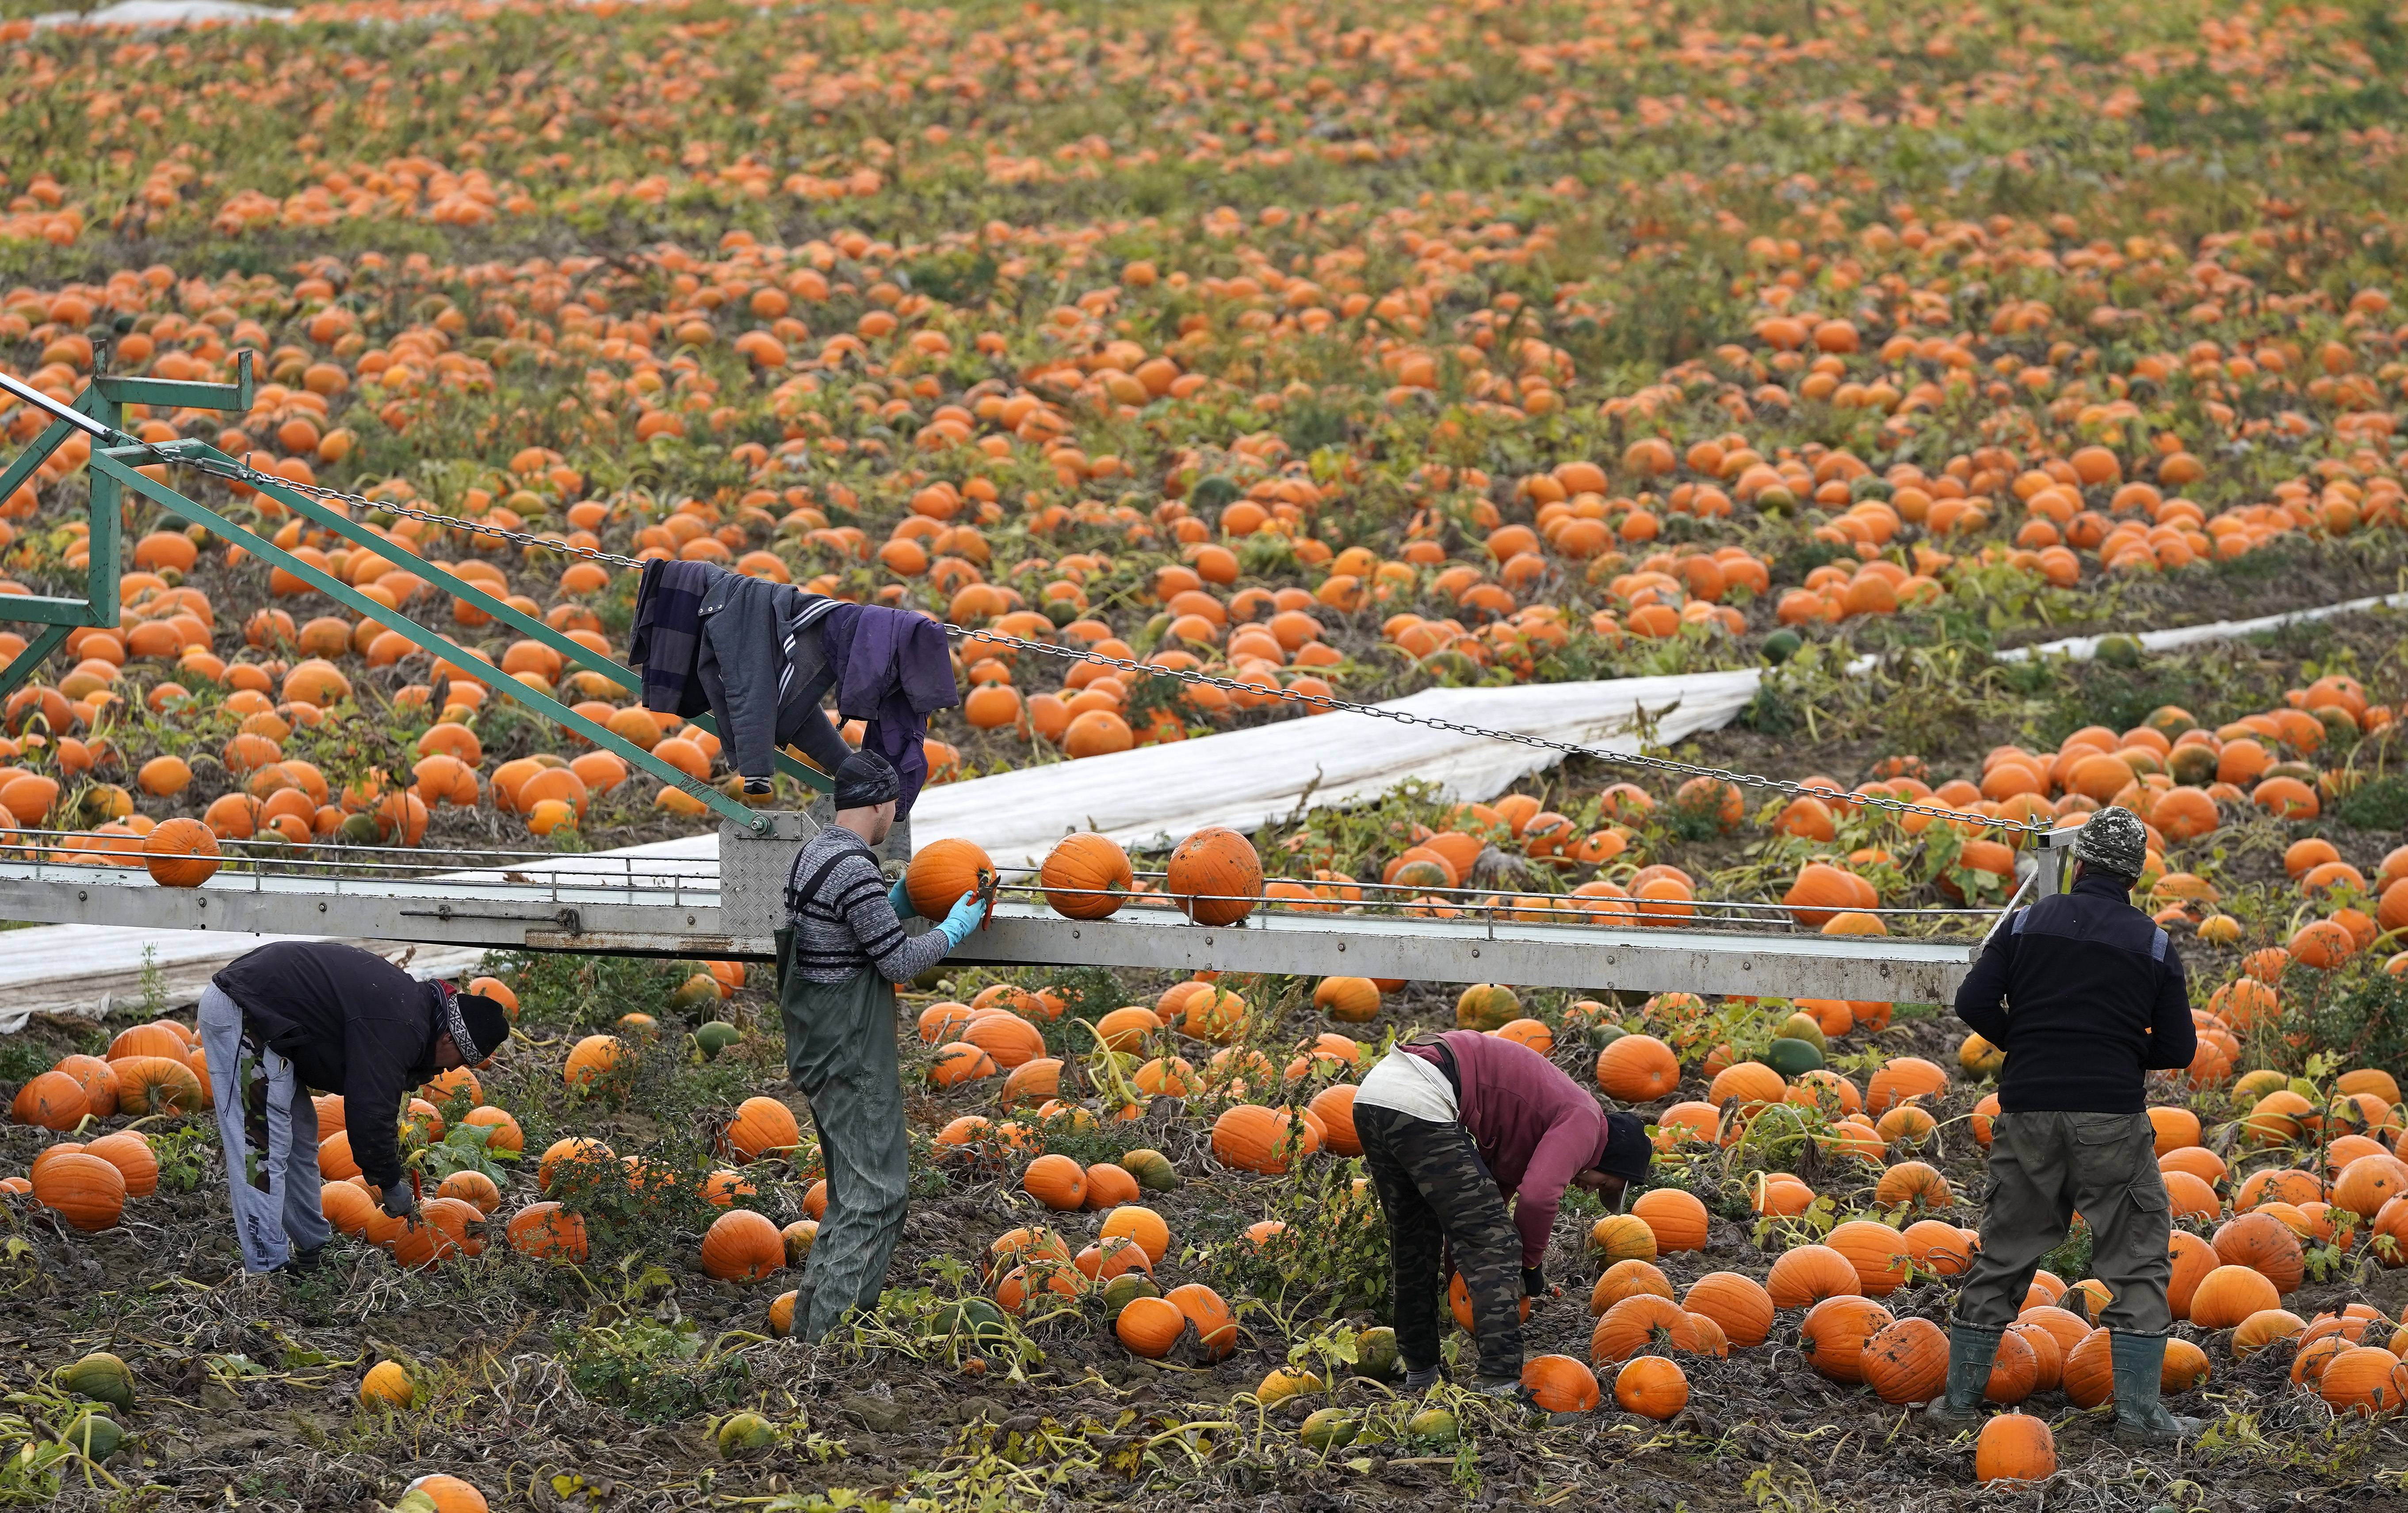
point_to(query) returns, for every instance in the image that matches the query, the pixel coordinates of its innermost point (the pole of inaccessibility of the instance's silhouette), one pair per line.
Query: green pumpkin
(1804, 1026)
(1781, 646)
(1375, 1352)
(740, 1434)
(1435, 1424)
(976, 1317)
(1213, 491)
(716, 1036)
(1151, 1169)
(698, 992)
(1124, 1289)
(94, 1435)
(101, 1377)
(2120, 650)
(1793, 1058)
(1329, 1429)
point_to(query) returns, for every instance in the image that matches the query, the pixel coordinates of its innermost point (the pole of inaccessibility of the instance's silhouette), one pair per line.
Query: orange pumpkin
(2015, 1447)
(1675, 1216)
(1057, 1181)
(1353, 1000)
(1149, 1327)
(590, 1059)
(84, 1190)
(1834, 1333)
(1879, 1253)
(1650, 1387)
(1560, 1384)
(97, 1079)
(1087, 876)
(1253, 1138)
(2365, 1380)
(1907, 1361)
(157, 1084)
(742, 1245)
(1216, 1327)
(2229, 1294)
(1807, 1274)
(1739, 1304)
(51, 1100)
(131, 1154)
(941, 872)
(181, 853)
(2264, 1244)
(1638, 1068)
(762, 1127)
(1215, 876)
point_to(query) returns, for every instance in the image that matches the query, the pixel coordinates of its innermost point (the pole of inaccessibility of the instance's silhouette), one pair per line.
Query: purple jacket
(891, 669)
(1535, 1127)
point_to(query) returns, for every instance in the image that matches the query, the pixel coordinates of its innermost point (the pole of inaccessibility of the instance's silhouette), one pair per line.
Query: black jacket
(351, 1022)
(2095, 997)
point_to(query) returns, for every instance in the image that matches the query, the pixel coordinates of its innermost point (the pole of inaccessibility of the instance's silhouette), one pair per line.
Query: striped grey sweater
(846, 923)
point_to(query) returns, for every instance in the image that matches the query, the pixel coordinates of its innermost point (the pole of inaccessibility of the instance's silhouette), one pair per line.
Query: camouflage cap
(2114, 840)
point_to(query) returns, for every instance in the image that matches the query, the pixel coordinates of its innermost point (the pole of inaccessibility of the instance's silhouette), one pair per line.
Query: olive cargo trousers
(2045, 1168)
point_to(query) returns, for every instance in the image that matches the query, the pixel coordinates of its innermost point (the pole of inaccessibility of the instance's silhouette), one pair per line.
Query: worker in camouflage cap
(2086, 996)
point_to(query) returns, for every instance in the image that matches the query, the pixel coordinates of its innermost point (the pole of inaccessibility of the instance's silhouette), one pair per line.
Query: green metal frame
(113, 473)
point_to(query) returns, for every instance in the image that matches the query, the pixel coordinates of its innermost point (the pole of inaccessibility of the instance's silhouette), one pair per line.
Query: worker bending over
(837, 962)
(1452, 1129)
(2094, 999)
(309, 1014)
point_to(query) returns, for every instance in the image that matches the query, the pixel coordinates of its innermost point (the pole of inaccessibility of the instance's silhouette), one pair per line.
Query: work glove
(964, 917)
(900, 901)
(1534, 1282)
(399, 1201)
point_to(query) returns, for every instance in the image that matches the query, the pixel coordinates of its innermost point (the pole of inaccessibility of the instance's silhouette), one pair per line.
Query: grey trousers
(276, 1207)
(2045, 1168)
(841, 1053)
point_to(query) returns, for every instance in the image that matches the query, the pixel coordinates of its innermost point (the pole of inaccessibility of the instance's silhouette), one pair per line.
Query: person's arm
(1562, 1151)
(1980, 996)
(861, 898)
(376, 1069)
(2173, 1037)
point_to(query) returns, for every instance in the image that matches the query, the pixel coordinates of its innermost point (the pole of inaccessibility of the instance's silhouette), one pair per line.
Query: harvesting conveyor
(683, 900)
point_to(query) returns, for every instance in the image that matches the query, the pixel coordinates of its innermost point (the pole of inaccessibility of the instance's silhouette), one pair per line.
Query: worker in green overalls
(838, 959)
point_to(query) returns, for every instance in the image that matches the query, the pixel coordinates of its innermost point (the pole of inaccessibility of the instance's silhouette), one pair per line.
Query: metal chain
(242, 472)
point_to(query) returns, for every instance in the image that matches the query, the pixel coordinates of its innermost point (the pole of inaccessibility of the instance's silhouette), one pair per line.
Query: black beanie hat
(478, 1025)
(866, 780)
(1628, 1151)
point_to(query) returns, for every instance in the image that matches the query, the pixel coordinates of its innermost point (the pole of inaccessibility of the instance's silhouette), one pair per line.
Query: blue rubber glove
(901, 902)
(964, 917)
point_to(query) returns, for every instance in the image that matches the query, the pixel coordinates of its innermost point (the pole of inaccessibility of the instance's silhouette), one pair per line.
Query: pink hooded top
(1535, 1127)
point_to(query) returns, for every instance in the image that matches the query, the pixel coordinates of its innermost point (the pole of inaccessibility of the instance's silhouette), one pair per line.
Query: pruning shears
(986, 893)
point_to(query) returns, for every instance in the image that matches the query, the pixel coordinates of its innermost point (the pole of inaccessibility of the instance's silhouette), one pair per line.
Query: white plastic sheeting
(1152, 793)
(147, 14)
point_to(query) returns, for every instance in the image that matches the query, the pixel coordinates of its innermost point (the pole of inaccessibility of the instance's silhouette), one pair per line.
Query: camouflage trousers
(2045, 1168)
(1439, 1198)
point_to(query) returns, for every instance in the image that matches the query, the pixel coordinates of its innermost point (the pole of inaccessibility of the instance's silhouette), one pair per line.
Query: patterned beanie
(2114, 840)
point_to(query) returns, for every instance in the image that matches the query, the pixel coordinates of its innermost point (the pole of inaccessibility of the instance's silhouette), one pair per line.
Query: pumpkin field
(1346, 350)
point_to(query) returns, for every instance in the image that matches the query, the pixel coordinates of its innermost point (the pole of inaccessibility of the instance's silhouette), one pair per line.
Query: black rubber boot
(2141, 1419)
(1972, 1349)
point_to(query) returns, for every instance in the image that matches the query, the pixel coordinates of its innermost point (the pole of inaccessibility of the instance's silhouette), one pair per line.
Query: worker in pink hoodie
(1453, 1129)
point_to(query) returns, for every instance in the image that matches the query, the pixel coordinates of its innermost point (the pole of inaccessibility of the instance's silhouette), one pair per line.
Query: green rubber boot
(1972, 1349)
(2141, 1419)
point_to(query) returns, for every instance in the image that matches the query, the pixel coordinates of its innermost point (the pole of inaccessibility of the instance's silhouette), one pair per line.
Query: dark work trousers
(840, 1052)
(2045, 1168)
(1437, 1194)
